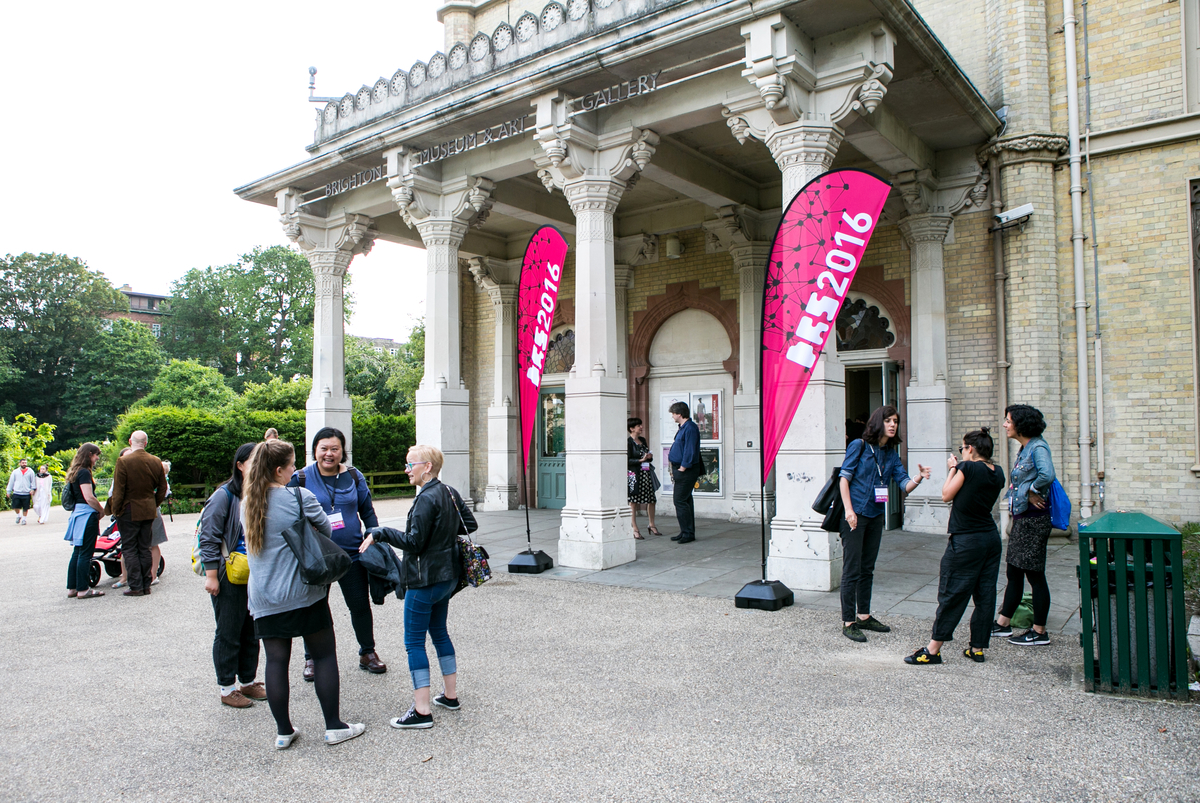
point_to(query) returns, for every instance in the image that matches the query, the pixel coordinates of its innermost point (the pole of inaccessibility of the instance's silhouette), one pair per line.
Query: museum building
(665, 137)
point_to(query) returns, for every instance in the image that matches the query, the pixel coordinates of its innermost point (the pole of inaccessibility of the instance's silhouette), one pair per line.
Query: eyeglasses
(409, 466)
(960, 450)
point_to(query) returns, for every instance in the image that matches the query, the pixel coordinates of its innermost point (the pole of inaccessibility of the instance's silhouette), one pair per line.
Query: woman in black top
(641, 477)
(83, 526)
(971, 563)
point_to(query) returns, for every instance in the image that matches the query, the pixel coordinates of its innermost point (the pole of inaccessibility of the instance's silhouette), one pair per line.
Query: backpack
(197, 562)
(68, 499)
(1060, 506)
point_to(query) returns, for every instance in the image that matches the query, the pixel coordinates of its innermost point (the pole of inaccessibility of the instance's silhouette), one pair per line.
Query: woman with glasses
(429, 576)
(346, 500)
(972, 559)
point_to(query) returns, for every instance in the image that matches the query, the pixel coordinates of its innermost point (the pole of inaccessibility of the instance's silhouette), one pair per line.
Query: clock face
(552, 17)
(503, 37)
(526, 28)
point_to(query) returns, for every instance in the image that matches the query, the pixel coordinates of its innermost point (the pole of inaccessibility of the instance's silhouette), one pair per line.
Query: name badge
(881, 494)
(336, 521)
(645, 466)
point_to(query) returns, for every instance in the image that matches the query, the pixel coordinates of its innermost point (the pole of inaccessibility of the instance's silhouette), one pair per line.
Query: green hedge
(201, 443)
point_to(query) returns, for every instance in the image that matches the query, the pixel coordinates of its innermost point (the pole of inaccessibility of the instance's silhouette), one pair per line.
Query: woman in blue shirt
(343, 494)
(869, 466)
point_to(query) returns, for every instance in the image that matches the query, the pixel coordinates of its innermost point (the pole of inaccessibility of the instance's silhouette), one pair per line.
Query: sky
(131, 123)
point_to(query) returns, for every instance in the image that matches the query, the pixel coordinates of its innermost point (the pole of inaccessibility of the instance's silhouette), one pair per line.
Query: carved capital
(571, 153)
(734, 226)
(345, 233)
(467, 199)
(925, 228)
(1025, 148)
(637, 249)
(804, 144)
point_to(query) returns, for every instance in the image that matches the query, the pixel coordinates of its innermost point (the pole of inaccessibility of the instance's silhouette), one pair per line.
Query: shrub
(381, 442)
(1191, 564)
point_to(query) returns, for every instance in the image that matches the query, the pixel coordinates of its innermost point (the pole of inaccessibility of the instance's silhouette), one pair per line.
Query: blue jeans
(425, 611)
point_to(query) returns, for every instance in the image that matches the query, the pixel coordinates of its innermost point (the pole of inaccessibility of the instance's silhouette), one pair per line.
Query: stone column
(442, 212)
(330, 244)
(622, 281)
(593, 171)
(927, 419)
(504, 433)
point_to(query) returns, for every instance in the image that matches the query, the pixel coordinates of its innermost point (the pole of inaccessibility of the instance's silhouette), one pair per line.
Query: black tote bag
(829, 502)
(322, 562)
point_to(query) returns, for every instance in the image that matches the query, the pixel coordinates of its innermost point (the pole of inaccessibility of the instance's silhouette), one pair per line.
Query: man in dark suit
(686, 467)
(139, 487)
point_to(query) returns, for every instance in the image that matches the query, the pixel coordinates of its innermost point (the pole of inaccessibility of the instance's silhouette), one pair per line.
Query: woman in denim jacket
(1029, 502)
(869, 465)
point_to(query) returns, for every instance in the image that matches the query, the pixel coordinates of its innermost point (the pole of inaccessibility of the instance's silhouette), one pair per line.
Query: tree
(187, 383)
(277, 395)
(50, 306)
(251, 320)
(115, 369)
(368, 375)
(26, 438)
(403, 382)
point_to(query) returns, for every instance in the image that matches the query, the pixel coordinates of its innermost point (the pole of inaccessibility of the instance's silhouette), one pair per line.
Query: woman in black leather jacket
(429, 575)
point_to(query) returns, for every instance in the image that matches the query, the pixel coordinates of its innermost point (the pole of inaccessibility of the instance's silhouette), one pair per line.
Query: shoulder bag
(474, 570)
(322, 562)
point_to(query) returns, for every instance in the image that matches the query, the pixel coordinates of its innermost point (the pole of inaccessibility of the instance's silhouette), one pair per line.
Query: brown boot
(370, 662)
(235, 699)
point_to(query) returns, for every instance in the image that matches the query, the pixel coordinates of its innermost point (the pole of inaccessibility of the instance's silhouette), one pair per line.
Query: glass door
(552, 449)
(894, 517)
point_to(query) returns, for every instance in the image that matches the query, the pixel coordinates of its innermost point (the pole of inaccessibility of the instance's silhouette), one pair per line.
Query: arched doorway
(550, 448)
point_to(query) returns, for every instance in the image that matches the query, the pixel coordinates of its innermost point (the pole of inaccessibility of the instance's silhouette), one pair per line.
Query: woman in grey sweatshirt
(284, 606)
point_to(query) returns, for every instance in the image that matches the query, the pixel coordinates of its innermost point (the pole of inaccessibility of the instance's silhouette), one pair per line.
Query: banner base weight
(532, 561)
(764, 595)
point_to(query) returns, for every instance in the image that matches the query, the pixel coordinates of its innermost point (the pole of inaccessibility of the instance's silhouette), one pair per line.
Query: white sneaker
(344, 734)
(154, 582)
(24, 520)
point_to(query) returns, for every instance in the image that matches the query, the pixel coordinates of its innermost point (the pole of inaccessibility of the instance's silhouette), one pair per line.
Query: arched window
(860, 326)
(560, 356)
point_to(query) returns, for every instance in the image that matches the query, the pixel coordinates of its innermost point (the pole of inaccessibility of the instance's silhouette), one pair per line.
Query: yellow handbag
(237, 569)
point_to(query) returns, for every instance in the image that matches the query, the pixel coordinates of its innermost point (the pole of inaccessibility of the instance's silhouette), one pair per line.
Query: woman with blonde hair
(84, 524)
(284, 607)
(429, 576)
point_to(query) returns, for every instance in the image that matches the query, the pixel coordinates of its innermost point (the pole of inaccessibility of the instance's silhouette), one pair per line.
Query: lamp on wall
(672, 247)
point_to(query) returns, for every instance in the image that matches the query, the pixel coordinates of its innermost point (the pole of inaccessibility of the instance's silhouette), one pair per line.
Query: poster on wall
(706, 412)
(664, 472)
(666, 424)
(710, 481)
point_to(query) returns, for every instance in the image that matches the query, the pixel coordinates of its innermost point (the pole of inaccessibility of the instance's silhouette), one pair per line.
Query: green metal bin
(1131, 604)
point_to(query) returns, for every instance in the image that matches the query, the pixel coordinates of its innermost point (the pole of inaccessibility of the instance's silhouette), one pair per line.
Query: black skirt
(295, 624)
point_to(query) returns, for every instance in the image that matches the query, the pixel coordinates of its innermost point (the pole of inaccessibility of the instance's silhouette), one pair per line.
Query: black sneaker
(975, 654)
(1001, 631)
(413, 720)
(873, 624)
(922, 657)
(1031, 638)
(446, 702)
(853, 633)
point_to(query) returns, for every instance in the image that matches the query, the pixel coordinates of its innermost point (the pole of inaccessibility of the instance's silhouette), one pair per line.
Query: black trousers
(81, 556)
(1016, 590)
(356, 591)
(235, 649)
(860, 548)
(969, 570)
(135, 549)
(685, 506)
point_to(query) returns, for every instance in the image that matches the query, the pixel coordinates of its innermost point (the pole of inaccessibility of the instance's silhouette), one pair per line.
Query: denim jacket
(863, 466)
(1032, 471)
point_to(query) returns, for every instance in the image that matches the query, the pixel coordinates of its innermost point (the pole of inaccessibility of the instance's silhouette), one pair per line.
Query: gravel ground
(570, 691)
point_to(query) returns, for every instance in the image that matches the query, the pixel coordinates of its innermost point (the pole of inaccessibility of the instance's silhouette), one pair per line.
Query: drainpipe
(1077, 237)
(1001, 327)
(1098, 339)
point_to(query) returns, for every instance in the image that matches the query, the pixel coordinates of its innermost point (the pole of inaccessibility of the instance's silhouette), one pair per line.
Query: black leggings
(323, 647)
(1016, 588)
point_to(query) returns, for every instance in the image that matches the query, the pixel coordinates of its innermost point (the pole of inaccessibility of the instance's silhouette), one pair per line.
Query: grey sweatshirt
(275, 584)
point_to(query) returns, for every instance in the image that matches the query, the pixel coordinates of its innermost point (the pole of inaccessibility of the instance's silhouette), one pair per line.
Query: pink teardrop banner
(537, 299)
(817, 250)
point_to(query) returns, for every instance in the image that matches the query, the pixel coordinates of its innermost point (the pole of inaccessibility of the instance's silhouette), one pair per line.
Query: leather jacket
(430, 536)
(635, 454)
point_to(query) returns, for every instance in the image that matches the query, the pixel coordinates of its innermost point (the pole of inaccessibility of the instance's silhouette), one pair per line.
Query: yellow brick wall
(887, 248)
(478, 368)
(1135, 58)
(696, 264)
(1142, 213)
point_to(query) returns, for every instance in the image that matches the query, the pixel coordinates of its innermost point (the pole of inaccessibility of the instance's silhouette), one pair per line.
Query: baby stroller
(108, 552)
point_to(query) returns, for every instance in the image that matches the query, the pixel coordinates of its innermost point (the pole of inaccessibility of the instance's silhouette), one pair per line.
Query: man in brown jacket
(139, 487)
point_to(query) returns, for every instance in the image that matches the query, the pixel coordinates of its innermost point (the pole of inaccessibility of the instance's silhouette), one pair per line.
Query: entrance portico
(745, 106)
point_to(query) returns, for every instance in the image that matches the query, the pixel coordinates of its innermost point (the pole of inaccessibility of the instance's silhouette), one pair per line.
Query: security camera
(1010, 215)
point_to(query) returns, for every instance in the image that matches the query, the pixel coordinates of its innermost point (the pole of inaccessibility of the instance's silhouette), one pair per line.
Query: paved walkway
(571, 691)
(726, 556)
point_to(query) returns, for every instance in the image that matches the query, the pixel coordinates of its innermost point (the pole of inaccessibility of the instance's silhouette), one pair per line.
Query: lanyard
(330, 489)
(878, 468)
